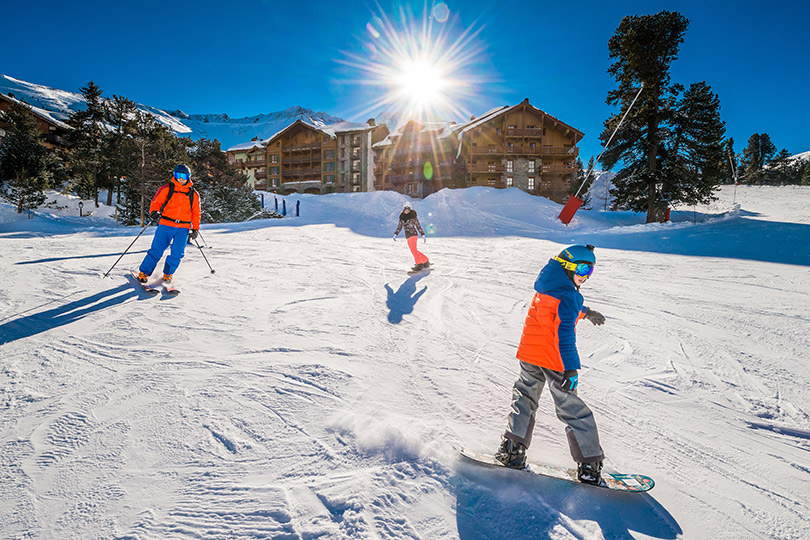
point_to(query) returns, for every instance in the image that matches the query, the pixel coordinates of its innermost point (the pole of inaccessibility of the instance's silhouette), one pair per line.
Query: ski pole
(124, 253)
(201, 237)
(204, 257)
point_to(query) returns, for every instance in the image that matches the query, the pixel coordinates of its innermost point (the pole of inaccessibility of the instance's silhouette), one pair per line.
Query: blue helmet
(182, 171)
(577, 259)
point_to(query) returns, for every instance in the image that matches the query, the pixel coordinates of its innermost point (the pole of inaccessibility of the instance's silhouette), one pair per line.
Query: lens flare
(425, 69)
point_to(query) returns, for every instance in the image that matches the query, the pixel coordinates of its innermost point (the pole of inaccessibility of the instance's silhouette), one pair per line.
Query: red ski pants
(418, 256)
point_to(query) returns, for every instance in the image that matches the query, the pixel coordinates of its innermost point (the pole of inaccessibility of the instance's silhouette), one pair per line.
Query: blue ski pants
(165, 235)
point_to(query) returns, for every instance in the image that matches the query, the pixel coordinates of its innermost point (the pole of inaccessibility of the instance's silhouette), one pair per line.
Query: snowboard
(630, 483)
(145, 286)
(422, 271)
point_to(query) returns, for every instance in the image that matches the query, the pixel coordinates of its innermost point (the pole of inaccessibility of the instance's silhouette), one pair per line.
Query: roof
(328, 129)
(444, 129)
(46, 116)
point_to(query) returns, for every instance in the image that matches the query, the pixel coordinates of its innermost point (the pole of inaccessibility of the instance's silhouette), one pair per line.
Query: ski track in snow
(309, 389)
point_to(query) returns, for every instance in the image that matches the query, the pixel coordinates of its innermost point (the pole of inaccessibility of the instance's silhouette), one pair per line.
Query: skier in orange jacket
(176, 209)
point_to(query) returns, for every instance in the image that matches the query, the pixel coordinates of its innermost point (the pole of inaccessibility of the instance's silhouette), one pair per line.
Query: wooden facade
(417, 160)
(52, 132)
(520, 146)
(303, 158)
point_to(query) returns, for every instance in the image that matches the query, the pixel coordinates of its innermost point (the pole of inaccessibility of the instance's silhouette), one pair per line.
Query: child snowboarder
(176, 209)
(409, 221)
(548, 354)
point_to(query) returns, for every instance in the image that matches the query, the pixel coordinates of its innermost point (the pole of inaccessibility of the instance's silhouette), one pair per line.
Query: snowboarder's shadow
(402, 302)
(509, 504)
(42, 321)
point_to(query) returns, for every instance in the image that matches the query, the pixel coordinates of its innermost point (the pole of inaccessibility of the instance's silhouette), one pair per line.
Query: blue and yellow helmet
(578, 259)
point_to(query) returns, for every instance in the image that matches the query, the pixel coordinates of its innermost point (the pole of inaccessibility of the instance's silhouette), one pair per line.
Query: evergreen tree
(756, 155)
(642, 49)
(731, 159)
(87, 162)
(583, 174)
(119, 145)
(782, 170)
(694, 159)
(23, 159)
(806, 174)
(224, 191)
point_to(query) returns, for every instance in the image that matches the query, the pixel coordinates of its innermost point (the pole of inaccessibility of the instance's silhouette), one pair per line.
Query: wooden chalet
(52, 130)
(418, 159)
(520, 146)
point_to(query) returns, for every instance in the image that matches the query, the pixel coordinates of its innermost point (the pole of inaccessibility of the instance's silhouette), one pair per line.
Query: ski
(630, 483)
(145, 286)
(170, 291)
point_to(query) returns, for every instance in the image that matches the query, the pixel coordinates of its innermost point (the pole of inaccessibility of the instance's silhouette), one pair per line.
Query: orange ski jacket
(182, 209)
(549, 334)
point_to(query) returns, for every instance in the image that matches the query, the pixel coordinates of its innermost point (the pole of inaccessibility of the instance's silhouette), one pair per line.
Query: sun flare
(424, 69)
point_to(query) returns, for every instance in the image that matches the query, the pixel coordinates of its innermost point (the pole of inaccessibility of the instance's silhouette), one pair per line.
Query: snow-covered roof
(444, 130)
(48, 116)
(245, 146)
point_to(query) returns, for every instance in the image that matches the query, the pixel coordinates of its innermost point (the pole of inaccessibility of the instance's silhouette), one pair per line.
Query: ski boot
(511, 453)
(590, 473)
(425, 264)
(167, 278)
(417, 267)
(142, 277)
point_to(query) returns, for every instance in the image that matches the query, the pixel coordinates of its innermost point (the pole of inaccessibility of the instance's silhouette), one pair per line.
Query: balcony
(260, 175)
(486, 168)
(302, 148)
(256, 163)
(523, 132)
(558, 169)
(478, 150)
(550, 150)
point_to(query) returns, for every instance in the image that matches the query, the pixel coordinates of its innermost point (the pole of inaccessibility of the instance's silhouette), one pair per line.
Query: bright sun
(421, 82)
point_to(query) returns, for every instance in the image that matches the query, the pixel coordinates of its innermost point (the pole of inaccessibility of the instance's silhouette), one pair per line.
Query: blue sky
(250, 57)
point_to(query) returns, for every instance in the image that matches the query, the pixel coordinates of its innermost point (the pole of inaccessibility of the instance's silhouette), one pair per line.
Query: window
(510, 181)
(273, 158)
(274, 182)
(531, 165)
(531, 183)
(510, 165)
(274, 171)
(356, 178)
(510, 147)
(329, 178)
(328, 154)
(491, 181)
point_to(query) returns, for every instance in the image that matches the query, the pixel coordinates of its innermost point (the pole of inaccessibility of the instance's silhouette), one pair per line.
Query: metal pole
(124, 253)
(204, 257)
(609, 140)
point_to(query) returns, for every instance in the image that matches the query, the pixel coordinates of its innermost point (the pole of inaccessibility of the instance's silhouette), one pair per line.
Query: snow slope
(312, 389)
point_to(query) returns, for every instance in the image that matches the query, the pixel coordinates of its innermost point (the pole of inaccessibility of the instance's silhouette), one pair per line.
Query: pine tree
(694, 158)
(226, 195)
(731, 159)
(87, 161)
(782, 170)
(583, 174)
(23, 159)
(118, 143)
(642, 49)
(756, 155)
(806, 174)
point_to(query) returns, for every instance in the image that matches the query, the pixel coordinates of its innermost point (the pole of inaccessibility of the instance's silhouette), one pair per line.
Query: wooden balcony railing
(261, 174)
(256, 163)
(523, 132)
(486, 168)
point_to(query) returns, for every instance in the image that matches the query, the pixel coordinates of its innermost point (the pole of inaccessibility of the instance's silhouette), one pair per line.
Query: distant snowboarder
(548, 353)
(176, 209)
(409, 221)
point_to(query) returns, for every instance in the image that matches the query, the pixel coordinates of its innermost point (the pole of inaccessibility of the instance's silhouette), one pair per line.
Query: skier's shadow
(43, 321)
(508, 504)
(402, 302)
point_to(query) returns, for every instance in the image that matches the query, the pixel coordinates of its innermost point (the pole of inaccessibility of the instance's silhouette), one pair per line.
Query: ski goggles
(182, 176)
(582, 269)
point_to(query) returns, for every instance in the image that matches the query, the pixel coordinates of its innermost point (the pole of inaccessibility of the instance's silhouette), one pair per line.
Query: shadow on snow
(509, 504)
(43, 321)
(402, 302)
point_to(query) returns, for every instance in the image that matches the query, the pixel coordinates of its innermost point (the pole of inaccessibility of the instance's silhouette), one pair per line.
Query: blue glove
(395, 238)
(570, 380)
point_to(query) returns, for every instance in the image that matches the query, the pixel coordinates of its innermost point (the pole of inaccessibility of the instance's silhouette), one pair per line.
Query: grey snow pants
(580, 426)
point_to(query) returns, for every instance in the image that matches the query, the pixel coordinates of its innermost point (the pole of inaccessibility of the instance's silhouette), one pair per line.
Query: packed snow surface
(310, 388)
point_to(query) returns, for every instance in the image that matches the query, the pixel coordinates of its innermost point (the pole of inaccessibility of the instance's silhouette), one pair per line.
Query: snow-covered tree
(756, 155)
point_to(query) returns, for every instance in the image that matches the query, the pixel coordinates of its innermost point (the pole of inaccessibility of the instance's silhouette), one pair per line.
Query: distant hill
(228, 131)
